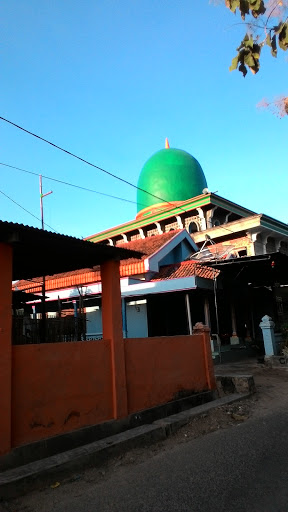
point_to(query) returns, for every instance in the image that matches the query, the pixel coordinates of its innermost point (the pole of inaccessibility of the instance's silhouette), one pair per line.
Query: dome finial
(166, 144)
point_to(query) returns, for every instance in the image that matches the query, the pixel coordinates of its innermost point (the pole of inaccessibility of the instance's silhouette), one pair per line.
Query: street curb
(37, 474)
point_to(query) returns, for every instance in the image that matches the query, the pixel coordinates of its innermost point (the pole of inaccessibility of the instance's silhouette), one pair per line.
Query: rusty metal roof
(37, 252)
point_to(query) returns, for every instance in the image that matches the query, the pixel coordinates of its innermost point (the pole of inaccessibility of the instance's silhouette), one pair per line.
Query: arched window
(192, 228)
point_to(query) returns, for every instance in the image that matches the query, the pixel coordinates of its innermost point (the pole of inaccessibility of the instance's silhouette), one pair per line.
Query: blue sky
(109, 81)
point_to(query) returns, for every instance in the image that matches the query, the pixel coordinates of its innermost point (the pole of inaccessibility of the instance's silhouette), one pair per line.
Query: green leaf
(255, 4)
(283, 37)
(256, 48)
(268, 40)
(242, 68)
(257, 8)
(274, 46)
(248, 41)
(249, 61)
(278, 28)
(234, 64)
(254, 69)
(234, 4)
(244, 8)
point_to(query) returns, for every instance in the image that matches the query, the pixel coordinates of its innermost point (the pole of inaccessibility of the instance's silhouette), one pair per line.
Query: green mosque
(205, 259)
(170, 176)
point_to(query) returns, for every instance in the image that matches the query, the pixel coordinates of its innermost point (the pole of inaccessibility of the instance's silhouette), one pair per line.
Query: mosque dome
(171, 175)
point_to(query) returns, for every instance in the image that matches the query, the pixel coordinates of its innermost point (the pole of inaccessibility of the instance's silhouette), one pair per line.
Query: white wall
(136, 316)
(93, 320)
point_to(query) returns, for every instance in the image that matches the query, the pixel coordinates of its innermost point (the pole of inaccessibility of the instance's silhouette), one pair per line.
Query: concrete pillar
(207, 312)
(158, 226)
(124, 318)
(199, 328)
(6, 255)
(112, 330)
(267, 325)
(234, 340)
(188, 313)
(209, 217)
(202, 219)
(180, 223)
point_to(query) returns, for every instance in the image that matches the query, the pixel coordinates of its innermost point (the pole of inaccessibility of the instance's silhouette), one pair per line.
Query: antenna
(41, 199)
(43, 320)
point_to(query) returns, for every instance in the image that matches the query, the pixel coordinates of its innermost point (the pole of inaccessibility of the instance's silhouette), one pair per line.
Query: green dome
(171, 175)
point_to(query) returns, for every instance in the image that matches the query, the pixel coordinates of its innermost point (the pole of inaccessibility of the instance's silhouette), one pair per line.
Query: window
(192, 228)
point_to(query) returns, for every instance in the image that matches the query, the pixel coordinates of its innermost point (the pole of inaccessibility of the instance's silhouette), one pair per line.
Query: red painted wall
(5, 347)
(159, 368)
(59, 387)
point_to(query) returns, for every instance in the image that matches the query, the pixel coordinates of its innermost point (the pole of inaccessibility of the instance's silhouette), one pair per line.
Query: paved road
(241, 469)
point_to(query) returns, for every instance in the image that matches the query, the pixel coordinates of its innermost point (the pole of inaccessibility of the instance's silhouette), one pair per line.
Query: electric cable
(69, 184)
(25, 210)
(99, 168)
(88, 163)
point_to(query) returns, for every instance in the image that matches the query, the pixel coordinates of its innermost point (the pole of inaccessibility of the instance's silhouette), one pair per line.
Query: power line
(89, 163)
(97, 167)
(96, 192)
(69, 184)
(25, 210)
(87, 189)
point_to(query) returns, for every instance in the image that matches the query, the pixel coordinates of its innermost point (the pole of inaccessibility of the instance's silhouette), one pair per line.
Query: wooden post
(199, 328)
(112, 330)
(6, 254)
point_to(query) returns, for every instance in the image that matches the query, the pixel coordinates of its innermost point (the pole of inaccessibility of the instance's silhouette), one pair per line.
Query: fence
(62, 387)
(26, 330)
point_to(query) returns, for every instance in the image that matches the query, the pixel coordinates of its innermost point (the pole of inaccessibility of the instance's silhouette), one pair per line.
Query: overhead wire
(68, 184)
(85, 188)
(25, 210)
(89, 163)
(96, 167)
(88, 190)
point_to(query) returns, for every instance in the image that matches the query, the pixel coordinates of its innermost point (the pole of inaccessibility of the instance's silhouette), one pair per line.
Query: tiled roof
(185, 269)
(148, 245)
(129, 267)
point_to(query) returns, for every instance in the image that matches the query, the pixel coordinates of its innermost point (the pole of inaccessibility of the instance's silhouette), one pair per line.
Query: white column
(179, 220)
(158, 226)
(207, 312)
(234, 340)
(267, 326)
(202, 219)
(187, 300)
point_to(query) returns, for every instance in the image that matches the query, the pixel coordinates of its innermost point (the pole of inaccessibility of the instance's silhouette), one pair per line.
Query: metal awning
(261, 270)
(37, 252)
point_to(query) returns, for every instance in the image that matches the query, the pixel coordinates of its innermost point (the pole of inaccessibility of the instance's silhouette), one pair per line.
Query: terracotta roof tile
(148, 245)
(131, 266)
(185, 269)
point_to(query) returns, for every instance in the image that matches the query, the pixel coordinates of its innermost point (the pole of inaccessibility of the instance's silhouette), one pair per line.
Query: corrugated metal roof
(128, 267)
(37, 252)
